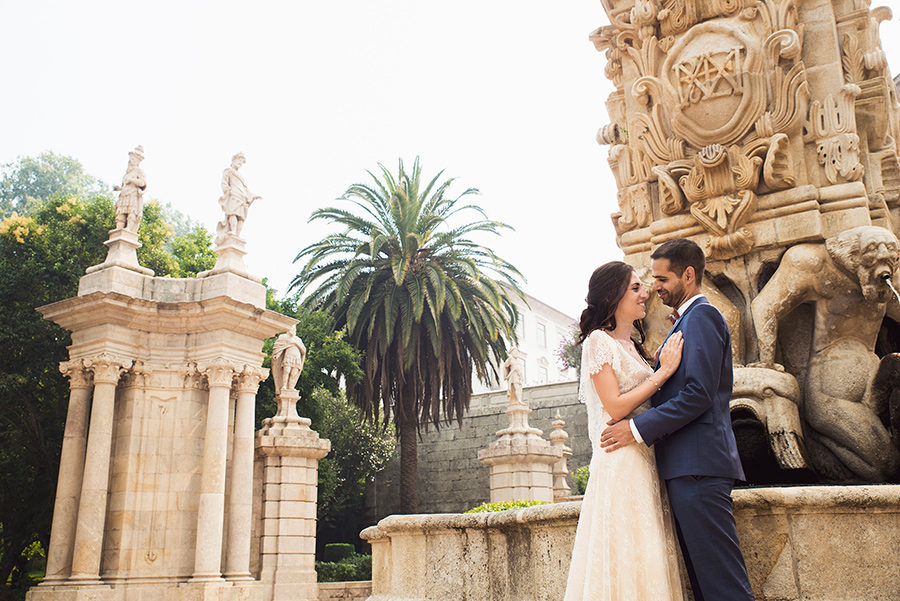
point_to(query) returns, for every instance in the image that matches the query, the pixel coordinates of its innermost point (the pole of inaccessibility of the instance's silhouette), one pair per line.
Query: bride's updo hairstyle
(606, 289)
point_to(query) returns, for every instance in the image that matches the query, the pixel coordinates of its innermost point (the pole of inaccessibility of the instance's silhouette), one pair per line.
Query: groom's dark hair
(682, 253)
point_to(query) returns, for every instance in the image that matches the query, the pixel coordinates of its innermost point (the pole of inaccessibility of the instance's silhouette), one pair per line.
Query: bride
(625, 547)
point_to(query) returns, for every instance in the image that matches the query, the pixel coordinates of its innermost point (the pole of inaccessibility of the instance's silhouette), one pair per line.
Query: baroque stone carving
(832, 124)
(773, 397)
(848, 388)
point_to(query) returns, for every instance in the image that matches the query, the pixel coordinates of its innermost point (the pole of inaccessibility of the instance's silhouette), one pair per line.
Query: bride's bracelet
(652, 381)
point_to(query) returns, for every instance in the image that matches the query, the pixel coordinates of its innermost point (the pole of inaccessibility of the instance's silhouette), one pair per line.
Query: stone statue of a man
(235, 200)
(130, 205)
(514, 374)
(288, 356)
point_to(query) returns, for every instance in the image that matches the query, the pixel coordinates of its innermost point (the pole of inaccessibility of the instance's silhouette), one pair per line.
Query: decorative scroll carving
(79, 376)
(634, 203)
(720, 187)
(832, 124)
(249, 378)
(107, 367)
(219, 372)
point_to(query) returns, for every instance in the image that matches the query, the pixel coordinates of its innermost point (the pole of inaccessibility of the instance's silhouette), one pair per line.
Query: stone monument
(766, 131)
(164, 491)
(520, 460)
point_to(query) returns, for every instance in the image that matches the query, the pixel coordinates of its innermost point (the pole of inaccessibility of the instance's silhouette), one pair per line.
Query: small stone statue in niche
(514, 374)
(235, 200)
(130, 205)
(288, 356)
(848, 388)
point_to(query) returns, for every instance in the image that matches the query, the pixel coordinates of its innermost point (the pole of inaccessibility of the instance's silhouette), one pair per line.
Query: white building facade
(542, 329)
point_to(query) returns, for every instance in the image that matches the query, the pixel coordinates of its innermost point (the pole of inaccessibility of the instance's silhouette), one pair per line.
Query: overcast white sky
(505, 96)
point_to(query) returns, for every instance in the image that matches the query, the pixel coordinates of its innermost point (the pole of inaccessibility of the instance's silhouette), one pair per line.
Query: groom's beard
(674, 298)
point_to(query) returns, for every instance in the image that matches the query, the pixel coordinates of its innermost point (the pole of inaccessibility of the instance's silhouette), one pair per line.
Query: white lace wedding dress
(625, 547)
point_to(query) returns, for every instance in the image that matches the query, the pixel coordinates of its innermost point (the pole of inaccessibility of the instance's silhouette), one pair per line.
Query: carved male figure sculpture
(288, 356)
(236, 199)
(514, 374)
(130, 205)
(847, 387)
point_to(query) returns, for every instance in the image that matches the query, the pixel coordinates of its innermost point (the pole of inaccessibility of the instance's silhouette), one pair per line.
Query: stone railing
(811, 543)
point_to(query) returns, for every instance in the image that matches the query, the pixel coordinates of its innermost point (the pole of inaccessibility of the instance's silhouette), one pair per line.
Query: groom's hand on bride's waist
(616, 436)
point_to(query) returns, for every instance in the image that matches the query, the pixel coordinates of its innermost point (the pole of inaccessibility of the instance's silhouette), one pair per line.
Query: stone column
(211, 506)
(71, 471)
(91, 518)
(291, 452)
(240, 506)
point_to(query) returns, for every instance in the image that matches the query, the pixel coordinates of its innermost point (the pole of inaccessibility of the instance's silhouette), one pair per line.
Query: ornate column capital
(219, 372)
(249, 378)
(79, 375)
(107, 367)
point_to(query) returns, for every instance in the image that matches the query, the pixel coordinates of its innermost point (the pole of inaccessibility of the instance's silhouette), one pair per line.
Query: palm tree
(418, 296)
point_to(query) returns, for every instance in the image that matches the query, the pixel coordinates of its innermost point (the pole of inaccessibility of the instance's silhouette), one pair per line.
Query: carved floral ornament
(716, 105)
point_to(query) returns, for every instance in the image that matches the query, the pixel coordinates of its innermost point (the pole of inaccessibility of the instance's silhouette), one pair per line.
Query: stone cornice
(219, 313)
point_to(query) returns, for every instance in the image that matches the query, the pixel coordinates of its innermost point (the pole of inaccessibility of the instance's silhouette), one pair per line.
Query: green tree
(193, 252)
(34, 179)
(359, 450)
(41, 259)
(418, 295)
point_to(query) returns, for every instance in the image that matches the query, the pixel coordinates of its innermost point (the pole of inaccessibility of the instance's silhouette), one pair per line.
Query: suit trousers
(704, 520)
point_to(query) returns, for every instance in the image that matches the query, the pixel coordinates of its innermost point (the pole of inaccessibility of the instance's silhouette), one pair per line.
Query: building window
(542, 335)
(543, 375)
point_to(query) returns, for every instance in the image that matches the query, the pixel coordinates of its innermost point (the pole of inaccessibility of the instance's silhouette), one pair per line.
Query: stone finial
(558, 438)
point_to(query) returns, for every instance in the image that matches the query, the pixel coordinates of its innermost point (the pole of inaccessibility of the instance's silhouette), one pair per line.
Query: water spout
(887, 280)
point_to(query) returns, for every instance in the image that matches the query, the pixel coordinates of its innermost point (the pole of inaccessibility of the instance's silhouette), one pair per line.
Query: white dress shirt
(680, 310)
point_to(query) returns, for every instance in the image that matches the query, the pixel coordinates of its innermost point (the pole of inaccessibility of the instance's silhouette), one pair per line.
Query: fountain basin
(814, 543)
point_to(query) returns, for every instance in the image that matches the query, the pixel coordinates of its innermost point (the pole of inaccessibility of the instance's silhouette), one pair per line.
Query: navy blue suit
(689, 426)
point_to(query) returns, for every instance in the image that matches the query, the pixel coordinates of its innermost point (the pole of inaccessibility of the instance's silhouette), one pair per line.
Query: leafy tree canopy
(34, 179)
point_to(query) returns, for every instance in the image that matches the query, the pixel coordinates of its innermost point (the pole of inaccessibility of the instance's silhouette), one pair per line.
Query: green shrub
(580, 476)
(504, 505)
(354, 567)
(337, 551)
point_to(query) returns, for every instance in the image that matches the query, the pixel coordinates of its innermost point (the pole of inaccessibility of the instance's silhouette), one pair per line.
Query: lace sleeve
(598, 351)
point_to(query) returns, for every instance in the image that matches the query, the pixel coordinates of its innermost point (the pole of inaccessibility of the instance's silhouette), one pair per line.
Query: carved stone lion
(847, 388)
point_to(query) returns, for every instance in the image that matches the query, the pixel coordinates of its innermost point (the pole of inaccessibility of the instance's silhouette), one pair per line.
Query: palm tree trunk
(409, 468)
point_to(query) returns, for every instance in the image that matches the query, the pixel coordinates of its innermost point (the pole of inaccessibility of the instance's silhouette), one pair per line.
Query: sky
(503, 96)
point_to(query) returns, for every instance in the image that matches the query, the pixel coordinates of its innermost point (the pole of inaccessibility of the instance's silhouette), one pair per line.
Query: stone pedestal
(122, 245)
(521, 462)
(230, 253)
(290, 453)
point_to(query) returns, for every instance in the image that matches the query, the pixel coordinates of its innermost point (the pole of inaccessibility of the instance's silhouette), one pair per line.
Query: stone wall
(816, 543)
(451, 479)
(357, 590)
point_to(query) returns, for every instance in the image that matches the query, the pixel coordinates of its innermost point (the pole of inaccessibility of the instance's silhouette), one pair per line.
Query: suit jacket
(689, 423)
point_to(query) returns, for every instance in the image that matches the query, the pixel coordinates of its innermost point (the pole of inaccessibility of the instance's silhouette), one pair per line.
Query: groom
(690, 427)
